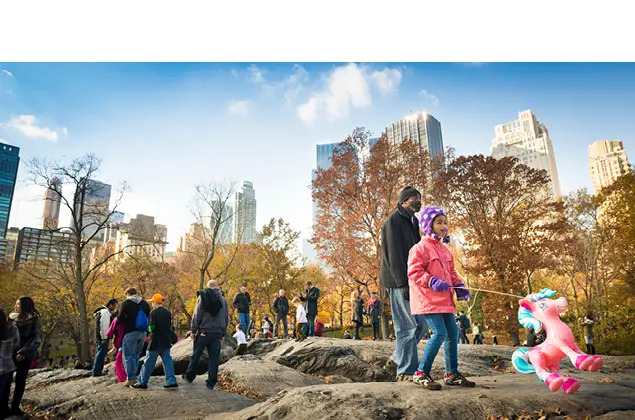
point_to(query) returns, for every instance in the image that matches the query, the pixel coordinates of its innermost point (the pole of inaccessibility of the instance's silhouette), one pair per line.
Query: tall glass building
(420, 127)
(9, 161)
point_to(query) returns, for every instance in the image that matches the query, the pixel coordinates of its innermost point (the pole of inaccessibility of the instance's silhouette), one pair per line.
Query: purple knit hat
(426, 217)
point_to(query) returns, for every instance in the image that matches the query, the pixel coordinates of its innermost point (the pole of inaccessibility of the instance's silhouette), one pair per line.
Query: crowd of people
(416, 271)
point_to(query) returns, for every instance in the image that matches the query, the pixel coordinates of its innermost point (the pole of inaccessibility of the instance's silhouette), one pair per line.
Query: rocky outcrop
(503, 396)
(182, 351)
(262, 379)
(104, 398)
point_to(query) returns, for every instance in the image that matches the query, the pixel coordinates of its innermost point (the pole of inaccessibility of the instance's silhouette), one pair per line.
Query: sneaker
(426, 381)
(186, 380)
(212, 388)
(129, 383)
(139, 386)
(456, 379)
(174, 385)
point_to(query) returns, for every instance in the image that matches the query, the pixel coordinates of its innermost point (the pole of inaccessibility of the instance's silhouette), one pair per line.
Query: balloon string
(488, 291)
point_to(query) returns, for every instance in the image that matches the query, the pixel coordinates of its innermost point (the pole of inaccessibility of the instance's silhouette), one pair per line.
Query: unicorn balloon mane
(538, 311)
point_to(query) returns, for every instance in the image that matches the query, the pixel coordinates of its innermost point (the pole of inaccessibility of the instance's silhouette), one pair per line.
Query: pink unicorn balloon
(538, 311)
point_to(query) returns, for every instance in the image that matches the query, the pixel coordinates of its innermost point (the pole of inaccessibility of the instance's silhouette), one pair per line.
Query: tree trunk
(385, 327)
(201, 285)
(84, 337)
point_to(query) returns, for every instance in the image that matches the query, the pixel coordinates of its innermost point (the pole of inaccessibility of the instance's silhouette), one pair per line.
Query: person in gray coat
(209, 326)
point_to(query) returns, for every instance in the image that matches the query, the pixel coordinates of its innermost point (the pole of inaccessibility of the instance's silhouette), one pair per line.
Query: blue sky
(165, 127)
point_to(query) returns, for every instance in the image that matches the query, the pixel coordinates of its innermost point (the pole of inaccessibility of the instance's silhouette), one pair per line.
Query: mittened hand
(438, 285)
(461, 292)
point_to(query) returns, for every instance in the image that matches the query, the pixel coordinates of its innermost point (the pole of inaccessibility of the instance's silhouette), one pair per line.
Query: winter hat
(426, 218)
(406, 193)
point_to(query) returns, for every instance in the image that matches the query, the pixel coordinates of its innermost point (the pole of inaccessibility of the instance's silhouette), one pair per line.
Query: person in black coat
(281, 309)
(242, 302)
(310, 299)
(160, 326)
(399, 233)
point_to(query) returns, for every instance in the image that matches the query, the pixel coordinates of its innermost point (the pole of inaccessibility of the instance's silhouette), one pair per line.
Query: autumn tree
(504, 211)
(355, 196)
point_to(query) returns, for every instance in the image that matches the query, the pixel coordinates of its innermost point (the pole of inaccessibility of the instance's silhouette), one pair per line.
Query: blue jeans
(244, 321)
(211, 343)
(151, 360)
(407, 332)
(310, 322)
(444, 330)
(131, 346)
(100, 356)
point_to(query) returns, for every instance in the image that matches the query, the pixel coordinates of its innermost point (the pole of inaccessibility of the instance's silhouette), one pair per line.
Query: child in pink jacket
(433, 282)
(116, 330)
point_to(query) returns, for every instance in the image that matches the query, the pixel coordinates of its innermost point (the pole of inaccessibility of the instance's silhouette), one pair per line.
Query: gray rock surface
(506, 395)
(182, 351)
(104, 398)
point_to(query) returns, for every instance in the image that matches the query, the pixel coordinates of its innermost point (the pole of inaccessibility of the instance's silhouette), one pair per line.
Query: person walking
(103, 319)
(160, 327)
(281, 309)
(300, 320)
(464, 325)
(133, 314)
(374, 312)
(399, 233)
(209, 326)
(310, 299)
(28, 322)
(242, 302)
(587, 328)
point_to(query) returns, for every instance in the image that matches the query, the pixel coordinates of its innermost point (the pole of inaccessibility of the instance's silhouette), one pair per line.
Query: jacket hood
(136, 299)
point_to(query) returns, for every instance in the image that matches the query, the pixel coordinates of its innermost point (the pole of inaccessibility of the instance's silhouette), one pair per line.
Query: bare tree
(80, 257)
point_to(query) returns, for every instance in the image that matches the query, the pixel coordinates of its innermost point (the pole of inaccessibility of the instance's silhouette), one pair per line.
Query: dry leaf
(607, 380)
(482, 396)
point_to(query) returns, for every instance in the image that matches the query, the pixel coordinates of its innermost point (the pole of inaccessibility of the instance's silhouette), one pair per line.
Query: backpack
(210, 302)
(141, 321)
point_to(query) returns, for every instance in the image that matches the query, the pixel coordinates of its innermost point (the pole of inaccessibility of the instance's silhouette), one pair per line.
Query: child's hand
(461, 292)
(438, 285)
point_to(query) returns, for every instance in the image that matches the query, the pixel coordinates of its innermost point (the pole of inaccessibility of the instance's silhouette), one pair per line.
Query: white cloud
(386, 80)
(346, 86)
(7, 72)
(239, 107)
(293, 84)
(27, 125)
(257, 75)
(430, 97)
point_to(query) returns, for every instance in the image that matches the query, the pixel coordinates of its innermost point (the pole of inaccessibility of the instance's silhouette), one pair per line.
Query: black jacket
(399, 233)
(129, 310)
(281, 305)
(310, 300)
(160, 323)
(242, 302)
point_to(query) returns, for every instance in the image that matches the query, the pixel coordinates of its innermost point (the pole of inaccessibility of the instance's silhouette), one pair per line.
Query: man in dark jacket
(103, 318)
(310, 299)
(464, 324)
(399, 233)
(242, 302)
(281, 308)
(135, 329)
(160, 326)
(209, 326)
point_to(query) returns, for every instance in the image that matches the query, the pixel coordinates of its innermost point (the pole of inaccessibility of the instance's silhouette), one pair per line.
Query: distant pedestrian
(241, 340)
(357, 311)
(310, 299)
(209, 326)
(242, 302)
(476, 333)
(587, 328)
(300, 320)
(9, 343)
(281, 308)
(374, 313)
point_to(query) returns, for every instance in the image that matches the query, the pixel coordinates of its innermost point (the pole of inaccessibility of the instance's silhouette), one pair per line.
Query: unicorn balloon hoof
(538, 311)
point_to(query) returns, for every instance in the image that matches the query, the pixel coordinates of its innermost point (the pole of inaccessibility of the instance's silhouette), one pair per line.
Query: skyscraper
(528, 140)
(9, 161)
(607, 161)
(420, 127)
(96, 206)
(244, 220)
(141, 236)
(225, 235)
(52, 200)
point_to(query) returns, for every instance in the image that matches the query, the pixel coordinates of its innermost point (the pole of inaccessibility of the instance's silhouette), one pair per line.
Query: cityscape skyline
(373, 96)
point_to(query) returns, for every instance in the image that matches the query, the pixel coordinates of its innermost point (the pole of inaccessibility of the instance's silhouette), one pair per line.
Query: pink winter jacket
(116, 330)
(426, 259)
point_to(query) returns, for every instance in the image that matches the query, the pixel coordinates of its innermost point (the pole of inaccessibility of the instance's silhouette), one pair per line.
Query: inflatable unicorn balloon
(538, 311)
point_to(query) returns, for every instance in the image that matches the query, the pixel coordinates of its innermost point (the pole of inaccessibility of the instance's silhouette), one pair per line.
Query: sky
(163, 128)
